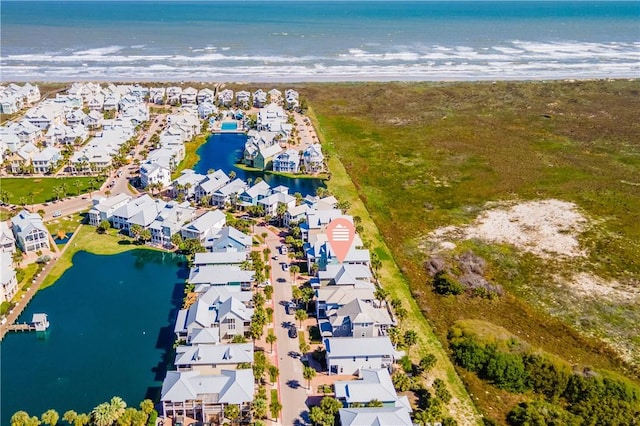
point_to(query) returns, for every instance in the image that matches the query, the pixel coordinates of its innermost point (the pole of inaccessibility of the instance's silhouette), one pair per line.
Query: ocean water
(292, 41)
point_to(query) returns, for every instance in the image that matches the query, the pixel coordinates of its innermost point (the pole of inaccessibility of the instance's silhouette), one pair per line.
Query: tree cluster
(586, 396)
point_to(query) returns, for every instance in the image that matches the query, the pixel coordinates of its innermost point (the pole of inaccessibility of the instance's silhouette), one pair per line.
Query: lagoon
(111, 333)
(222, 150)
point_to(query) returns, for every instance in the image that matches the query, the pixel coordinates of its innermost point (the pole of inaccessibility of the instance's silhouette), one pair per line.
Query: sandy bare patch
(593, 286)
(547, 228)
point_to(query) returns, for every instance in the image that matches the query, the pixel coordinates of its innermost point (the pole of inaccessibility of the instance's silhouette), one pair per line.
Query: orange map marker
(340, 234)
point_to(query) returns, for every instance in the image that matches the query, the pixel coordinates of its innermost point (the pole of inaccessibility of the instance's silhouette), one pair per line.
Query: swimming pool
(229, 125)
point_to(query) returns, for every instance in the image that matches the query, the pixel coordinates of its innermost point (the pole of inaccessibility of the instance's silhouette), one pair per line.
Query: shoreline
(323, 176)
(248, 80)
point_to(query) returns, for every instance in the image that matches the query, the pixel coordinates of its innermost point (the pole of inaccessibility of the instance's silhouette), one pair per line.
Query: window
(231, 324)
(354, 359)
(366, 358)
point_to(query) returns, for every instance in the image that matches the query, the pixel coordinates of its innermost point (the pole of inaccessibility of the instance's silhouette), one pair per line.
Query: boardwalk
(35, 286)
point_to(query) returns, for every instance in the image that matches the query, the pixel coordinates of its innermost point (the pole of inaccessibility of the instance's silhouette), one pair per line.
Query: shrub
(445, 284)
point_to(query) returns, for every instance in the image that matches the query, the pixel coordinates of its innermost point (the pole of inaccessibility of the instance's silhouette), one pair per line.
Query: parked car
(57, 213)
(293, 332)
(285, 266)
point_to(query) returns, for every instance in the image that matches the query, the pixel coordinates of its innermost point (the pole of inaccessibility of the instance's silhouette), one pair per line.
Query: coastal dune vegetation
(426, 157)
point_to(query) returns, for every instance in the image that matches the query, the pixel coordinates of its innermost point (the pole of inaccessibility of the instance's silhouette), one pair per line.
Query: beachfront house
(291, 99)
(205, 95)
(348, 355)
(189, 96)
(29, 231)
(225, 97)
(173, 95)
(275, 96)
(157, 95)
(203, 396)
(243, 99)
(287, 161)
(259, 98)
(205, 226)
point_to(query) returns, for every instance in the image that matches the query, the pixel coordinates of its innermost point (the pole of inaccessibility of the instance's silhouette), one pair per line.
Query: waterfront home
(8, 280)
(259, 98)
(219, 258)
(349, 355)
(189, 96)
(169, 220)
(375, 416)
(358, 318)
(228, 193)
(231, 317)
(157, 95)
(210, 184)
(232, 276)
(153, 172)
(205, 226)
(243, 99)
(229, 239)
(313, 158)
(84, 90)
(7, 240)
(205, 95)
(260, 148)
(287, 161)
(211, 359)
(45, 160)
(291, 99)
(141, 211)
(373, 384)
(271, 202)
(203, 397)
(186, 184)
(275, 96)
(103, 207)
(331, 298)
(225, 97)
(30, 233)
(257, 192)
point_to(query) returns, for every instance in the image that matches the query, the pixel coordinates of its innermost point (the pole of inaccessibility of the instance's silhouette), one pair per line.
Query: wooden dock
(21, 327)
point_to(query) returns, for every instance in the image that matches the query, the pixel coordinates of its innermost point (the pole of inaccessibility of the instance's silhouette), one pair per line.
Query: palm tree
(31, 195)
(118, 405)
(304, 347)
(308, 373)
(50, 417)
(294, 270)
(281, 210)
(410, 338)
(260, 408)
(301, 315)
(275, 406)
(69, 416)
(22, 201)
(78, 185)
(20, 418)
(5, 196)
(375, 403)
(380, 294)
(271, 339)
(274, 372)
(82, 420)
(232, 412)
(103, 414)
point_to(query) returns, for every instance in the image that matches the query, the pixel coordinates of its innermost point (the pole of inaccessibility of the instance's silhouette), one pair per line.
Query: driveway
(292, 386)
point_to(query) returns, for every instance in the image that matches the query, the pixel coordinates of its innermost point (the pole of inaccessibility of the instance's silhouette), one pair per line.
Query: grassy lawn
(86, 239)
(341, 185)
(37, 190)
(191, 158)
(426, 155)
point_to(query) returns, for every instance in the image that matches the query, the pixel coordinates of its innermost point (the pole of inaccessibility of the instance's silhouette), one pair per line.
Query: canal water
(222, 151)
(111, 333)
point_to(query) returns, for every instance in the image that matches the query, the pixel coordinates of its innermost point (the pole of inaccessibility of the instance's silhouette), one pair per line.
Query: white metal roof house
(31, 234)
(348, 355)
(203, 397)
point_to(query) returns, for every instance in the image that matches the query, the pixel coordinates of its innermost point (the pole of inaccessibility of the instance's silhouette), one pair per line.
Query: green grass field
(37, 190)
(426, 155)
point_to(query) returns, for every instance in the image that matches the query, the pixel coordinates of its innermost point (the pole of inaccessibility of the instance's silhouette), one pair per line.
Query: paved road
(293, 393)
